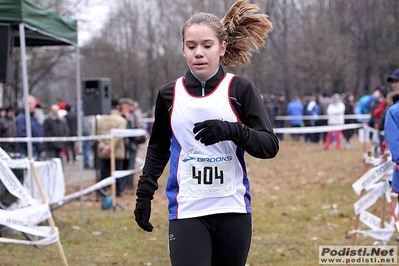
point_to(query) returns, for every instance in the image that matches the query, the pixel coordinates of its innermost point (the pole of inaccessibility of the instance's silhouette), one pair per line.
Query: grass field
(302, 199)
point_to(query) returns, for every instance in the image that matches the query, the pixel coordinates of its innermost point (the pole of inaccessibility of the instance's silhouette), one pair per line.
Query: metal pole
(25, 87)
(79, 115)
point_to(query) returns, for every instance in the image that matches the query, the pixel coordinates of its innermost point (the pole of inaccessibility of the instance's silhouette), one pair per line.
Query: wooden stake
(356, 224)
(50, 220)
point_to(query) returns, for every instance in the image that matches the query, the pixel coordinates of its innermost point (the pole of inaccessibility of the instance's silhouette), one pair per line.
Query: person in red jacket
(377, 113)
(380, 105)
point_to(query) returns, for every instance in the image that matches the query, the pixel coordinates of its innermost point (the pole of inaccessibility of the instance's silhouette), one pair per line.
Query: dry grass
(301, 199)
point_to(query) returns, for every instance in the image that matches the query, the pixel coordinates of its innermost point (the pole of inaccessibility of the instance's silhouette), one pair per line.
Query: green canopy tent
(33, 25)
(43, 27)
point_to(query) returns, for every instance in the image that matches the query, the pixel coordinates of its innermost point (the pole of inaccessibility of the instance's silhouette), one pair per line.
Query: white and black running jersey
(203, 179)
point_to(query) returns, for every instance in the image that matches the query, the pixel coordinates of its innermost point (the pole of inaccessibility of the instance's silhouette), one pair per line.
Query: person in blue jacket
(391, 128)
(36, 128)
(295, 109)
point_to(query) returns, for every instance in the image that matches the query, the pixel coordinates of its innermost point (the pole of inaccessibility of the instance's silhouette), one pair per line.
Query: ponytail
(246, 32)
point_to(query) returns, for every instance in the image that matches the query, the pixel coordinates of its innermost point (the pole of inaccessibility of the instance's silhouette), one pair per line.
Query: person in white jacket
(336, 116)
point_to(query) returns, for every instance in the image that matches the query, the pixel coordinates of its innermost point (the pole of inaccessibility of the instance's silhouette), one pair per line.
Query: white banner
(124, 133)
(383, 234)
(372, 221)
(372, 160)
(31, 215)
(51, 177)
(24, 219)
(316, 129)
(320, 117)
(370, 198)
(42, 231)
(373, 175)
(103, 183)
(123, 173)
(13, 185)
(50, 239)
(114, 132)
(3, 155)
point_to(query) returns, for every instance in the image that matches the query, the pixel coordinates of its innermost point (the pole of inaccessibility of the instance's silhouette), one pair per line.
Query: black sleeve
(158, 150)
(260, 141)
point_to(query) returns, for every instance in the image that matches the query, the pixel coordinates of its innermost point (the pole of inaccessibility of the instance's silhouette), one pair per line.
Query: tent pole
(79, 114)
(25, 87)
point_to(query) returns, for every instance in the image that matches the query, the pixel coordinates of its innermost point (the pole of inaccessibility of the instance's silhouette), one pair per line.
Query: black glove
(213, 131)
(142, 212)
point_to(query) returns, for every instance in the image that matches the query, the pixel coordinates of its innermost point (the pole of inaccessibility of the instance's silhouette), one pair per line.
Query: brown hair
(242, 29)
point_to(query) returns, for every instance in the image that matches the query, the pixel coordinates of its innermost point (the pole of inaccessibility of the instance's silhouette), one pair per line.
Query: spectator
(104, 125)
(270, 108)
(350, 105)
(72, 122)
(324, 102)
(54, 126)
(36, 130)
(131, 143)
(281, 107)
(61, 104)
(378, 105)
(313, 109)
(376, 113)
(364, 104)
(87, 129)
(336, 116)
(39, 112)
(295, 110)
(8, 130)
(306, 121)
(137, 112)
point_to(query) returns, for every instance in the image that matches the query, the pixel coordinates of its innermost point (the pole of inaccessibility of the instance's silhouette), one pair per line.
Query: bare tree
(45, 63)
(316, 46)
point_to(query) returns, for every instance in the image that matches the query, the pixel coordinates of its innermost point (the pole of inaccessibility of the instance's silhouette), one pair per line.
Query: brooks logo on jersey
(215, 159)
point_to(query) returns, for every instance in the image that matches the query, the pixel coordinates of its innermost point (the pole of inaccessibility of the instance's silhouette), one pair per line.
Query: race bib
(203, 176)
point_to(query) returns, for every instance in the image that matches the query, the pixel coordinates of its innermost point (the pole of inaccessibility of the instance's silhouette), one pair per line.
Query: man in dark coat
(54, 126)
(72, 122)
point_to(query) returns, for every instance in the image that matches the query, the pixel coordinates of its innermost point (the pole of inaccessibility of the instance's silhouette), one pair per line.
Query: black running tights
(213, 240)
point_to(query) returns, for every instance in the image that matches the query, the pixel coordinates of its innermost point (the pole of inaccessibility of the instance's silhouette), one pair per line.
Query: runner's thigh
(232, 239)
(189, 243)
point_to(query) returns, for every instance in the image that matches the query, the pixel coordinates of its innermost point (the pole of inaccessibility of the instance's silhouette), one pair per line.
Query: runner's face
(202, 50)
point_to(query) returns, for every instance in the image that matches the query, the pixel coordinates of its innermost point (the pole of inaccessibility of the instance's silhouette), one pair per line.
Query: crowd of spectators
(60, 121)
(335, 109)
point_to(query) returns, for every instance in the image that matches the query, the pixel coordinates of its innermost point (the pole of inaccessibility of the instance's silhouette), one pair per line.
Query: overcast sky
(90, 20)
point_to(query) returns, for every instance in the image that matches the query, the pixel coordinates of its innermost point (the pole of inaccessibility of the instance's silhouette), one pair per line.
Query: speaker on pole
(96, 96)
(6, 44)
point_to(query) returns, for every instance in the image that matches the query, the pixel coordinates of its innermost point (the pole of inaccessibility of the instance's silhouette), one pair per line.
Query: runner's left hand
(210, 132)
